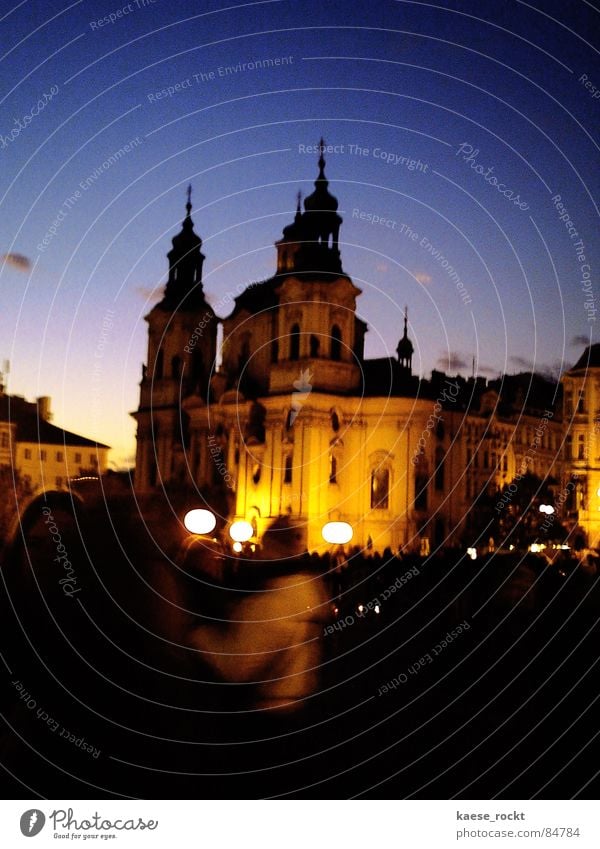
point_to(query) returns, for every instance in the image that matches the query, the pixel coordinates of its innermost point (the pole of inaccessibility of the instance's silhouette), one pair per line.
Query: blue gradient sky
(409, 79)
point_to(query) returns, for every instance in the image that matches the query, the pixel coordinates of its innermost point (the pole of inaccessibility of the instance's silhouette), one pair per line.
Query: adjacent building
(44, 455)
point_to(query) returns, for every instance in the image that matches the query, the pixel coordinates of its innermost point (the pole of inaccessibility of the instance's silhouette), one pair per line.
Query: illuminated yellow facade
(296, 422)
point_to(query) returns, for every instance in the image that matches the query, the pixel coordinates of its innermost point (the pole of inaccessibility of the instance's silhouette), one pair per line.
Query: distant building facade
(296, 422)
(44, 455)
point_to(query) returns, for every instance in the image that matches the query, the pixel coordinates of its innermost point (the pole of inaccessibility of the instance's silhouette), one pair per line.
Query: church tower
(182, 337)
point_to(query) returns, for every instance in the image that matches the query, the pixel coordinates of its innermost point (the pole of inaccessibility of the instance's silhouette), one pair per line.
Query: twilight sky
(458, 124)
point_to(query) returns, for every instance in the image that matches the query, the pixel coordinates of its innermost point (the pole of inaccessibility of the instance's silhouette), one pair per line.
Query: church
(296, 422)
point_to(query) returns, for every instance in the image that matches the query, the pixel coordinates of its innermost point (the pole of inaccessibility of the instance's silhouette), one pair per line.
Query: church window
(287, 474)
(336, 343)
(380, 489)
(439, 469)
(569, 403)
(158, 368)
(295, 342)
(274, 351)
(421, 492)
(197, 364)
(332, 468)
(314, 346)
(335, 421)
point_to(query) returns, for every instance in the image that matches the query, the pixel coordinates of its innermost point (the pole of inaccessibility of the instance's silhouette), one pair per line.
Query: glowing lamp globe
(241, 531)
(200, 521)
(337, 533)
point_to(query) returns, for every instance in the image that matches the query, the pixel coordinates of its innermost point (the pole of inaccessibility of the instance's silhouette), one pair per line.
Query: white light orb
(237, 547)
(200, 521)
(241, 531)
(337, 533)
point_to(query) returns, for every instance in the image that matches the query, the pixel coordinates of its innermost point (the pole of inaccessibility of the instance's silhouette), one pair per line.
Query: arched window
(295, 342)
(175, 367)
(244, 355)
(421, 481)
(287, 474)
(439, 469)
(274, 351)
(332, 468)
(335, 421)
(314, 346)
(380, 489)
(256, 473)
(159, 365)
(197, 364)
(336, 343)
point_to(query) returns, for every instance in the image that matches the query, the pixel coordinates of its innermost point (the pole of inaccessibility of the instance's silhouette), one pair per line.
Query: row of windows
(335, 345)
(59, 456)
(197, 366)
(380, 483)
(488, 461)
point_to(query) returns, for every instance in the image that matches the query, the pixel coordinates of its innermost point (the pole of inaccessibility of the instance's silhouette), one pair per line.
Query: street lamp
(241, 531)
(200, 521)
(547, 508)
(337, 533)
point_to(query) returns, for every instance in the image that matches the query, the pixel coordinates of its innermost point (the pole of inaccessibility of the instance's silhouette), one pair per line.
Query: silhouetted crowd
(141, 661)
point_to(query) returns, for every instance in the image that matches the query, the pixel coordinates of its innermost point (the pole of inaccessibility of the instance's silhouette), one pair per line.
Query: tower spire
(321, 162)
(405, 348)
(185, 263)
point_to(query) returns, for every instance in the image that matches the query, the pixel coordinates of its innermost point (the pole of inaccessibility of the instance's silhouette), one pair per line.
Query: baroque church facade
(296, 422)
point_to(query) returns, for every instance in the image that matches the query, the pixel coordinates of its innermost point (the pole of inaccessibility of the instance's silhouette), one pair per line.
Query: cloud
(382, 267)
(452, 361)
(579, 341)
(521, 362)
(150, 293)
(421, 277)
(18, 261)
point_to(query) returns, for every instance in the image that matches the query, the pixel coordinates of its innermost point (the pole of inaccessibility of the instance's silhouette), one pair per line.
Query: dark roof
(589, 359)
(32, 428)
(527, 392)
(384, 377)
(258, 296)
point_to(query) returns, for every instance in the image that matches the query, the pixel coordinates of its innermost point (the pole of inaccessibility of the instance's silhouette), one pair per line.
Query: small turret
(405, 348)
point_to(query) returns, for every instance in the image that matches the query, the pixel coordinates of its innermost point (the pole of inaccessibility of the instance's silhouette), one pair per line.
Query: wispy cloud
(422, 277)
(521, 362)
(452, 361)
(150, 293)
(18, 261)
